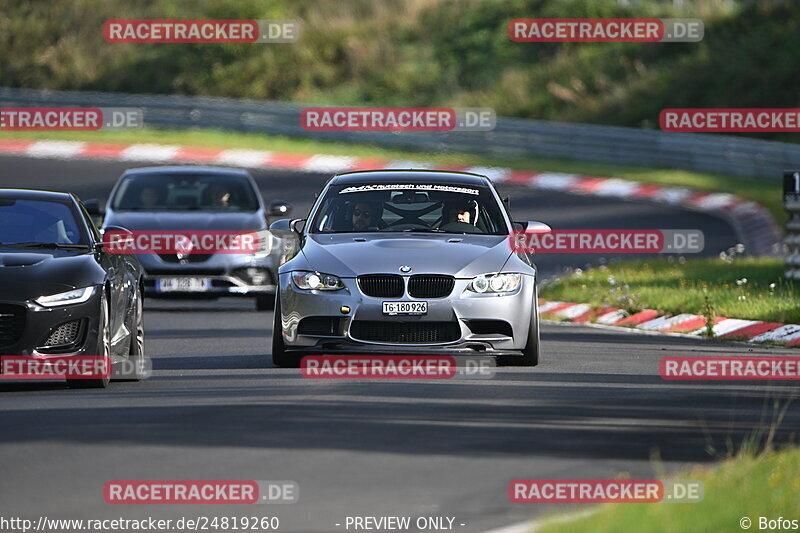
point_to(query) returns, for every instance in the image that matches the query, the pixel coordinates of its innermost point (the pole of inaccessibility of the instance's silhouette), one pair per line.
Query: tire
(134, 370)
(280, 357)
(530, 354)
(103, 349)
(265, 302)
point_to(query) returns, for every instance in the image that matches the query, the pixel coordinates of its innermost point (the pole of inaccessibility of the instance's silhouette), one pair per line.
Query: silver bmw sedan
(406, 261)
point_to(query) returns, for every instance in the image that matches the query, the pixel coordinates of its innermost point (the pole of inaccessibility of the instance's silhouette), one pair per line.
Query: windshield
(407, 207)
(38, 221)
(184, 192)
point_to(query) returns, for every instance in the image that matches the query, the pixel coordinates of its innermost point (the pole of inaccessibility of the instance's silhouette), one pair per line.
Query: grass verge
(748, 288)
(767, 194)
(747, 486)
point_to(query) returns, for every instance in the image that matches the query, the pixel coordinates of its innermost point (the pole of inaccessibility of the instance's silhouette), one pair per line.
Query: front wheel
(530, 353)
(134, 367)
(280, 357)
(103, 349)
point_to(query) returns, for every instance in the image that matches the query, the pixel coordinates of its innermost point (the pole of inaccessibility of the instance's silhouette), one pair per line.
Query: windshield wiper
(425, 230)
(58, 245)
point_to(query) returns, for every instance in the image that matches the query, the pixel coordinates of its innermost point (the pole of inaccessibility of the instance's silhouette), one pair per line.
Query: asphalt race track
(216, 408)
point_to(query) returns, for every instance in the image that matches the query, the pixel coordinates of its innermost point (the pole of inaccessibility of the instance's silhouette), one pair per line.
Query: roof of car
(35, 194)
(186, 169)
(448, 177)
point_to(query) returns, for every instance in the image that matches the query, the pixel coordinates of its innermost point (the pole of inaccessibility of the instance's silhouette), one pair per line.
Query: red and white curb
(652, 320)
(753, 222)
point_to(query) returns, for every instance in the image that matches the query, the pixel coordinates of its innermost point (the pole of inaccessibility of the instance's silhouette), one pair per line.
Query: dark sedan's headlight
(316, 281)
(75, 296)
(495, 283)
(264, 243)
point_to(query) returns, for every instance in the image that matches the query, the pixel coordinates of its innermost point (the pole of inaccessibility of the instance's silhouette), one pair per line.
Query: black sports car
(61, 293)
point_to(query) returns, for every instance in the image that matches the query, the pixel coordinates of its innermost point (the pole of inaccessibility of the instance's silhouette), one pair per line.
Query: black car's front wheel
(103, 349)
(133, 370)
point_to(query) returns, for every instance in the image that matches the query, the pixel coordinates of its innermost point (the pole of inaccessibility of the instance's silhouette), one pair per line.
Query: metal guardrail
(512, 136)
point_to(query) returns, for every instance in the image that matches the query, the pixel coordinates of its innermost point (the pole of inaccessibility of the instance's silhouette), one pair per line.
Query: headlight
(495, 283)
(317, 281)
(75, 296)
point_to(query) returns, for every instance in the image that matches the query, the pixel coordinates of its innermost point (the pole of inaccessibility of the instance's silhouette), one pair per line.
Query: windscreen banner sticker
(407, 187)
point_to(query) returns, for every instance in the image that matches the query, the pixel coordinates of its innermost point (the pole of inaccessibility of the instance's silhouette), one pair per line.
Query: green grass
(767, 194)
(750, 288)
(420, 53)
(745, 486)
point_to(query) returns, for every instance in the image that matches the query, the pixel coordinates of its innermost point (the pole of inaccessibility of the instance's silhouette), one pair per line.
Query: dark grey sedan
(200, 199)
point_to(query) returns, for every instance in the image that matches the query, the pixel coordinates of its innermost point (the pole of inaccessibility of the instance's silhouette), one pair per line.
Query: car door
(121, 284)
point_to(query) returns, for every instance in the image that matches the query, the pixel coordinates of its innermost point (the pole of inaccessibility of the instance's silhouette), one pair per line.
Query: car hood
(349, 255)
(186, 220)
(27, 275)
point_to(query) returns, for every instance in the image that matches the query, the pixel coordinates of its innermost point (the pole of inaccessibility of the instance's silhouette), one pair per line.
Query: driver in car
(219, 195)
(462, 211)
(365, 216)
(149, 197)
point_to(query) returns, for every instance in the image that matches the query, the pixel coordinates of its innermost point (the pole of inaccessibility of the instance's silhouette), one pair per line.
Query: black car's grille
(381, 285)
(191, 258)
(64, 335)
(405, 332)
(430, 285)
(12, 323)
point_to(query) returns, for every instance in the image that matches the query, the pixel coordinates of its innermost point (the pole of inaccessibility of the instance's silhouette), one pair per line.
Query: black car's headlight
(495, 283)
(316, 281)
(75, 296)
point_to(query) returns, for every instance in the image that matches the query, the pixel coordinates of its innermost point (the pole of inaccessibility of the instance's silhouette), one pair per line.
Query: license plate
(405, 308)
(183, 284)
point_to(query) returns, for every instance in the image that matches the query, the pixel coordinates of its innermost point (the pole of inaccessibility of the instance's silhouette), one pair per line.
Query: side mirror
(96, 210)
(94, 207)
(114, 238)
(534, 226)
(279, 208)
(286, 227)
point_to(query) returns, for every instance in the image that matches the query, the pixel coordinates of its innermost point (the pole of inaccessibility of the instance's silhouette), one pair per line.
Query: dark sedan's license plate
(183, 284)
(405, 308)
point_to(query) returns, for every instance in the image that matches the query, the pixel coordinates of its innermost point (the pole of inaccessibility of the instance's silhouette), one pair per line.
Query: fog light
(257, 276)
(344, 309)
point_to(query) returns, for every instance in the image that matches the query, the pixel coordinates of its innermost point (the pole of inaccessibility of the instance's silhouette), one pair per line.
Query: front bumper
(227, 274)
(504, 321)
(40, 323)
